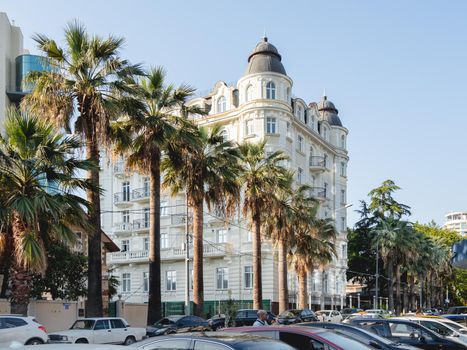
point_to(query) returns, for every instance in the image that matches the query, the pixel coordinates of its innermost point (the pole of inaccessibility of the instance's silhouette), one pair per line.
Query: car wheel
(34, 341)
(129, 340)
(81, 341)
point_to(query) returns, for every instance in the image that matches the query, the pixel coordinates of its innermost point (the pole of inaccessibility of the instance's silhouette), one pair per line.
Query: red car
(304, 338)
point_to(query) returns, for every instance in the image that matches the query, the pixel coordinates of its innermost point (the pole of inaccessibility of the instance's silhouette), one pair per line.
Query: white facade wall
(244, 119)
(457, 221)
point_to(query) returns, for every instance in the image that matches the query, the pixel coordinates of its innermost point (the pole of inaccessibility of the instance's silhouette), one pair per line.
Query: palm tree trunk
(283, 292)
(154, 299)
(257, 280)
(390, 285)
(6, 262)
(398, 289)
(198, 287)
(405, 294)
(302, 288)
(412, 293)
(94, 307)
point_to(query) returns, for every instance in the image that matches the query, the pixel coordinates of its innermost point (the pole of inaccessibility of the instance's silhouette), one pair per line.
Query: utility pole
(377, 277)
(187, 258)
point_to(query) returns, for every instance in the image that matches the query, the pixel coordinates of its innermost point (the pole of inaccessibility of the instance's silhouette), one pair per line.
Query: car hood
(71, 332)
(157, 329)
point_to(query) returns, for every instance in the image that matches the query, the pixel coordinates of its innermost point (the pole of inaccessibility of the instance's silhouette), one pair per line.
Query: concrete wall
(4, 306)
(55, 315)
(134, 314)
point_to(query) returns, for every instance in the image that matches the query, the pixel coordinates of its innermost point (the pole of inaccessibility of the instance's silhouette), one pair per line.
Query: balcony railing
(140, 193)
(140, 224)
(121, 197)
(317, 161)
(123, 227)
(129, 256)
(318, 192)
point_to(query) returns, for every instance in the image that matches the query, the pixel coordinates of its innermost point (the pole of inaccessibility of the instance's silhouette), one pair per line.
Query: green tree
(261, 175)
(87, 76)
(142, 137)
(382, 203)
(207, 170)
(38, 176)
(442, 235)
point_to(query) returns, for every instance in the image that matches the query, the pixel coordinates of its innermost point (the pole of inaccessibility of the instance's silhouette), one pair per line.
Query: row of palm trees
(117, 107)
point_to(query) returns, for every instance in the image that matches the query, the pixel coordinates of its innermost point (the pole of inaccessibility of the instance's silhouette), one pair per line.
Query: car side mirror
(422, 339)
(375, 345)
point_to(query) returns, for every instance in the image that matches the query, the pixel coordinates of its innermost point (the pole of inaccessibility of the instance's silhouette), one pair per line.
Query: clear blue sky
(396, 70)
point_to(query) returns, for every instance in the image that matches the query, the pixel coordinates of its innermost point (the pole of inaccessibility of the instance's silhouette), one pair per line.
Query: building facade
(457, 221)
(260, 106)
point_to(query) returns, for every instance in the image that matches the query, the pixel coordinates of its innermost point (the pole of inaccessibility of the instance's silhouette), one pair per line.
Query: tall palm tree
(207, 171)
(38, 178)
(142, 137)
(261, 175)
(86, 74)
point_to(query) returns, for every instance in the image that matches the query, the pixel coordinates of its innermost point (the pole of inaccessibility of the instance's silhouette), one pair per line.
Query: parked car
(372, 340)
(24, 330)
(444, 328)
(304, 338)
(350, 311)
(381, 312)
(217, 322)
(99, 330)
(430, 311)
(461, 318)
(456, 310)
(247, 317)
(329, 316)
(69, 347)
(407, 332)
(211, 341)
(177, 324)
(296, 316)
(349, 318)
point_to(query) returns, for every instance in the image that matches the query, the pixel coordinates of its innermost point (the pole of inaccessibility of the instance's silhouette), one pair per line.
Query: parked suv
(296, 316)
(24, 330)
(247, 317)
(177, 324)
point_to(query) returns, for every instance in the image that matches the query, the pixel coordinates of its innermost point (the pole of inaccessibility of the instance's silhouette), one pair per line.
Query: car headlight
(64, 338)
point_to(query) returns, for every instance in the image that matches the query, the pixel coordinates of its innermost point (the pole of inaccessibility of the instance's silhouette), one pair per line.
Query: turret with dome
(329, 112)
(265, 58)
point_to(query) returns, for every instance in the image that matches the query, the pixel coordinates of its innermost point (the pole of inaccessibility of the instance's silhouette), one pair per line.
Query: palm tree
(38, 178)
(313, 246)
(87, 74)
(143, 136)
(208, 171)
(261, 175)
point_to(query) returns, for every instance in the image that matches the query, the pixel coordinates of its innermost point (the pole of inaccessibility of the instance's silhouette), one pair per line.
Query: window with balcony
(300, 175)
(248, 273)
(221, 104)
(171, 280)
(146, 186)
(126, 216)
(300, 143)
(249, 127)
(126, 191)
(145, 281)
(271, 125)
(221, 235)
(146, 244)
(126, 282)
(164, 240)
(271, 90)
(222, 278)
(146, 218)
(125, 245)
(164, 208)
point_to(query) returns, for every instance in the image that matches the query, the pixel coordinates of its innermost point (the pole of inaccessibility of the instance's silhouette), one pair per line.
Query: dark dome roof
(329, 112)
(265, 58)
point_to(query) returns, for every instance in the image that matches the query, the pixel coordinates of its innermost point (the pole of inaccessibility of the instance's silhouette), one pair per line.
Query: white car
(381, 312)
(99, 330)
(445, 327)
(329, 315)
(16, 346)
(23, 330)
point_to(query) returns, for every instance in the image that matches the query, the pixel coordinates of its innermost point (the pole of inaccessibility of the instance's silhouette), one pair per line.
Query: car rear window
(12, 322)
(343, 341)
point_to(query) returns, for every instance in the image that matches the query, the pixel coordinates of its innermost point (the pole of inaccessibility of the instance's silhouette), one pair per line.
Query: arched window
(270, 90)
(342, 141)
(221, 104)
(249, 93)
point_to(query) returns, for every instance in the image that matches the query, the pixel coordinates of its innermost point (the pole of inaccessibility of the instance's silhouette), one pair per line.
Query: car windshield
(289, 314)
(320, 313)
(83, 324)
(343, 341)
(165, 322)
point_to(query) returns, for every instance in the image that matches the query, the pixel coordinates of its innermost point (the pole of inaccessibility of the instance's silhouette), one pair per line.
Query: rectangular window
(146, 186)
(126, 191)
(342, 169)
(171, 278)
(222, 278)
(164, 240)
(289, 132)
(300, 143)
(343, 223)
(164, 208)
(325, 190)
(249, 127)
(300, 175)
(125, 245)
(248, 277)
(344, 251)
(126, 216)
(271, 125)
(146, 281)
(221, 236)
(146, 218)
(126, 282)
(146, 244)
(343, 199)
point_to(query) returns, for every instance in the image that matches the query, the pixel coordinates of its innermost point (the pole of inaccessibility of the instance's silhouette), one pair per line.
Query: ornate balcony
(122, 199)
(128, 257)
(140, 225)
(317, 164)
(123, 227)
(120, 170)
(140, 194)
(320, 193)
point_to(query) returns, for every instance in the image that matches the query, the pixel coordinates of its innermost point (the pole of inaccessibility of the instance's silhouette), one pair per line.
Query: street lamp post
(377, 276)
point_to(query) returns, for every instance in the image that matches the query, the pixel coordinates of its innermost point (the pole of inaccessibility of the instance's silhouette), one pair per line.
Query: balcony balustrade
(122, 198)
(140, 194)
(317, 163)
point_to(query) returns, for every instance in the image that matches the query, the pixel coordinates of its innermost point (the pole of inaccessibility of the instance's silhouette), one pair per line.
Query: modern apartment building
(456, 221)
(260, 106)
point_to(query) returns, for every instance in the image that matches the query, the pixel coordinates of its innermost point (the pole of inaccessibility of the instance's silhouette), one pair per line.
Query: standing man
(262, 319)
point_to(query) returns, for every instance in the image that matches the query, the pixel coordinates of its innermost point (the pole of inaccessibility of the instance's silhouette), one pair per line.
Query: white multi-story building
(456, 221)
(261, 105)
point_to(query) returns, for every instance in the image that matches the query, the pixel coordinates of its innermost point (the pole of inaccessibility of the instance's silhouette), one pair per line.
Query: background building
(261, 105)
(457, 221)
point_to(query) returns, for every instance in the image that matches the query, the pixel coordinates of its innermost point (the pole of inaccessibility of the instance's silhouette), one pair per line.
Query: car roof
(98, 318)
(295, 329)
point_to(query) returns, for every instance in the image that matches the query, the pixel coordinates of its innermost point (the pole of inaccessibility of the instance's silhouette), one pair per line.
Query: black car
(218, 322)
(296, 316)
(177, 324)
(247, 317)
(372, 340)
(409, 333)
(212, 341)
